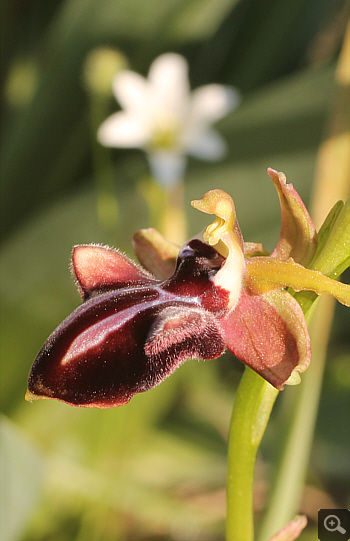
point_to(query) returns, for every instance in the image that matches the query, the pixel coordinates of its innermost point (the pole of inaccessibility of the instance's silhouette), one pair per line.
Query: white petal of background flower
(212, 102)
(169, 85)
(207, 145)
(123, 130)
(131, 90)
(167, 167)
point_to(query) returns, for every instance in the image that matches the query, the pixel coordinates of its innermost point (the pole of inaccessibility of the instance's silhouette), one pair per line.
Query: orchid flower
(161, 116)
(134, 328)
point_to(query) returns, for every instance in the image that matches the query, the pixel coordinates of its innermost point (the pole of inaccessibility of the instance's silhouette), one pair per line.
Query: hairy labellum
(132, 331)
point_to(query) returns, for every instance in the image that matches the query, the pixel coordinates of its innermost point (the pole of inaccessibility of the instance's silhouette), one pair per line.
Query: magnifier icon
(332, 524)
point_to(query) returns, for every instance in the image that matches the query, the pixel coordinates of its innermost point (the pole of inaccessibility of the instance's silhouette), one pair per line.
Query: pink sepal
(269, 334)
(98, 267)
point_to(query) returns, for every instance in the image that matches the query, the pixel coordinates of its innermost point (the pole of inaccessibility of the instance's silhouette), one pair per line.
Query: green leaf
(334, 257)
(21, 480)
(328, 224)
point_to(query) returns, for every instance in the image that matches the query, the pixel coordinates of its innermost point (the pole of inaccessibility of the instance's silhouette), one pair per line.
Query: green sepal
(333, 257)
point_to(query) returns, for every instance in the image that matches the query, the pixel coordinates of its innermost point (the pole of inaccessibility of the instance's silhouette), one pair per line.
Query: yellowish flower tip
(277, 175)
(221, 204)
(294, 378)
(29, 397)
(216, 202)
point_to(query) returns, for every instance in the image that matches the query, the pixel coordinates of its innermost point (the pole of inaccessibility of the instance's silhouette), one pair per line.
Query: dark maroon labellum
(131, 331)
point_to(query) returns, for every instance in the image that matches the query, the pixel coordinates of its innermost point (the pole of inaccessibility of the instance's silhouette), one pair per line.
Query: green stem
(252, 407)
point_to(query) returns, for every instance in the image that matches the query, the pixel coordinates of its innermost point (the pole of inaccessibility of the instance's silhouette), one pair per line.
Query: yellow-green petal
(265, 274)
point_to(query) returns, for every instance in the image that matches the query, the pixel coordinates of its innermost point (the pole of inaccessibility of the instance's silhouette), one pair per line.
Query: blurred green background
(153, 470)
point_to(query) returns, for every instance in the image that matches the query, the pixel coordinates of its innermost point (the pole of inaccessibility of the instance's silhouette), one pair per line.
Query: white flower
(161, 116)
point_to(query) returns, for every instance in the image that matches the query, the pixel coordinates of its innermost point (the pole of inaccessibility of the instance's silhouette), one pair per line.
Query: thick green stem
(252, 407)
